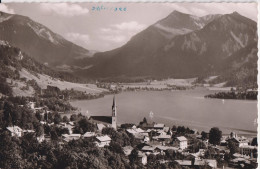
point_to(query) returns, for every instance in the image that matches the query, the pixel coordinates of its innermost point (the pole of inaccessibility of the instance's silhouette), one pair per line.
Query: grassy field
(44, 80)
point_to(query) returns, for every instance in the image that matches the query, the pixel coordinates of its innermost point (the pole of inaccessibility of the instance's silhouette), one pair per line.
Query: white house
(69, 137)
(89, 134)
(182, 142)
(15, 131)
(40, 138)
(159, 126)
(142, 157)
(103, 141)
(31, 105)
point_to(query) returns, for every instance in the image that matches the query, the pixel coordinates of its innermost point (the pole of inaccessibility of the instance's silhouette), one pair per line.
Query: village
(154, 142)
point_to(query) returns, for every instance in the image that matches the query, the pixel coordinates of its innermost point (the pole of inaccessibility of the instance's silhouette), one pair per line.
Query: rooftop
(182, 138)
(104, 138)
(183, 162)
(159, 125)
(14, 129)
(102, 119)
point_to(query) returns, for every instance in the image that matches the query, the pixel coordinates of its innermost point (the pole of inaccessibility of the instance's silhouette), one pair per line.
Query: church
(109, 121)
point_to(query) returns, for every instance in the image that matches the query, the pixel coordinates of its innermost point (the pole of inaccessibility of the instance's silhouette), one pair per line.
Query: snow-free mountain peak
(39, 41)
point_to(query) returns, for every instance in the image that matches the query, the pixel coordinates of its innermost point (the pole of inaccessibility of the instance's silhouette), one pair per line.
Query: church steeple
(114, 107)
(114, 114)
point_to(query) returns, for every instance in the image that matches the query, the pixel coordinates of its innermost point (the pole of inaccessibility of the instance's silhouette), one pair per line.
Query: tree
(174, 128)
(215, 136)
(39, 116)
(54, 135)
(144, 121)
(233, 147)
(73, 117)
(83, 126)
(254, 142)
(109, 131)
(204, 135)
(57, 118)
(39, 131)
(65, 119)
(133, 157)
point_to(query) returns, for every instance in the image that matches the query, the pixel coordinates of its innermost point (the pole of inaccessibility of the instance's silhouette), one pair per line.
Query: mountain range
(39, 41)
(179, 46)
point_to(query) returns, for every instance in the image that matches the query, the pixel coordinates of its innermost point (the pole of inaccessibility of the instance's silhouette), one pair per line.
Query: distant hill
(178, 46)
(202, 48)
(182, 46)
(39, 41)
(23, 76)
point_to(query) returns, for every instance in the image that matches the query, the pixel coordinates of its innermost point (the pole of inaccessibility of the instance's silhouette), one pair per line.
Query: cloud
(5, 8)
(64, 9)
(129, 26)
(119, 33)
(77, 38)
(114, 38)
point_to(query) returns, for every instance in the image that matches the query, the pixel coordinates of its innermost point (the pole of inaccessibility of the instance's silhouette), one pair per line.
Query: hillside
(38, 41)
(143, 47)
(23, 76)
(201, 48)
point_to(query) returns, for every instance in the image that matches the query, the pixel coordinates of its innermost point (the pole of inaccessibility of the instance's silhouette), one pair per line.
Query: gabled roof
(139, 130)
(104, 138)
(159, 125)
(182, 138)
(101, 119)
(28, 131)
(183, 162)
(134, 131)
(140, 154)
(162, 136)
(89, 134)
(100, 126)
(148, 148)
(14, 129)
(71, 135)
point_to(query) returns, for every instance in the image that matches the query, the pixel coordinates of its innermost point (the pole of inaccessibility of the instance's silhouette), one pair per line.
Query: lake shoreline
(133, 106)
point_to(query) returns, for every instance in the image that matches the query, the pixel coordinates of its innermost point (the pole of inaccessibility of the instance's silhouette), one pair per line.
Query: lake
(187, 107)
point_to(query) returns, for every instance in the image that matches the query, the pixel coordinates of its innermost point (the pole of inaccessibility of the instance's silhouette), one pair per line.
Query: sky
(106, 26)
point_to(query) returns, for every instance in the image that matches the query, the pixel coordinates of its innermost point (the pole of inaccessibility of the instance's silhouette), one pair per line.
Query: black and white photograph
(128, 85)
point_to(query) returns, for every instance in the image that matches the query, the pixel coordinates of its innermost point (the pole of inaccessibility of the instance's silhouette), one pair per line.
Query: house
(159, 126)
(69, 127)
(138, 133)
(182, 142)
(100, 126)
(15, 131)
(247, 150)
(89, 134)
(31, 105)
(142, 157)
(146, 139)
(40, 138)
(103, 141)
(206, 162)
(148, 149)
(240, 141)
(184, 162)
(28, 131)
(69, 137)
(166, 129)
